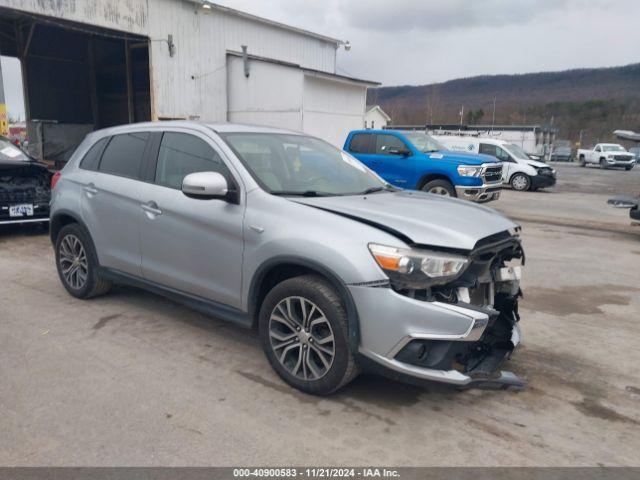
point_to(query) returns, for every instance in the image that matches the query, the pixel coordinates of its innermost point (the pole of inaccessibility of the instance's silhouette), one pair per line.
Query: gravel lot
(134, 379)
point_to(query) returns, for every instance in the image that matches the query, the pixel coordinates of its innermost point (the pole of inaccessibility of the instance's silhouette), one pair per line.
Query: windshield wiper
(306, 193)
(377, 189)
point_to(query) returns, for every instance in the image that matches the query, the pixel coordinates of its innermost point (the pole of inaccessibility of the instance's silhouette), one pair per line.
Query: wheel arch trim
(263, 270)
(56, 227)
(427, 177)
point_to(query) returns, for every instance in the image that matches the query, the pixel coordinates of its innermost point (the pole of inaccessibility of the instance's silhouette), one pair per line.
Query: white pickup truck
(607, 155)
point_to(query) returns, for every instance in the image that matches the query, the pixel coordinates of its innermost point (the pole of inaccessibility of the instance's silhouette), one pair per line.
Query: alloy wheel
(439, 191)
(301, 338)
(73, 262)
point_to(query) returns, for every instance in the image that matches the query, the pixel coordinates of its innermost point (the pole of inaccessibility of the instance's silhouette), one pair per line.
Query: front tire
(304, 330)
(603, 164)
(628, 168)
(439, 187)
(520, 182)
(77, 263)
(583, 162)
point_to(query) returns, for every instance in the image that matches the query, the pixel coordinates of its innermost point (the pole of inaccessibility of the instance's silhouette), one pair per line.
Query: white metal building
(97, 63)
(376, 117)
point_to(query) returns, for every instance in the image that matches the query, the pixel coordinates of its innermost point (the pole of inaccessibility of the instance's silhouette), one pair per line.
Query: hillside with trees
(595, 100)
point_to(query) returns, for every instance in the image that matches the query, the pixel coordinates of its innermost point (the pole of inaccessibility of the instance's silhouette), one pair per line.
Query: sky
(414, 42)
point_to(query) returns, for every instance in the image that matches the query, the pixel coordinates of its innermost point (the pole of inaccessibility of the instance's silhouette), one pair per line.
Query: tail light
(54, 179)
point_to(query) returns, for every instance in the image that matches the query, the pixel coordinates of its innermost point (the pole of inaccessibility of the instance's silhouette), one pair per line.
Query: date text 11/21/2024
(317, 472)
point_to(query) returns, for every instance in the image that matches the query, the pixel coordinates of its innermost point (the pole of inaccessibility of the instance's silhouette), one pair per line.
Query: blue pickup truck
(414, 160)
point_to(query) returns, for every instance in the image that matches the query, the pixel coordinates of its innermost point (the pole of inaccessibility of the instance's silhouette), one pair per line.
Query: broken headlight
(417, 268)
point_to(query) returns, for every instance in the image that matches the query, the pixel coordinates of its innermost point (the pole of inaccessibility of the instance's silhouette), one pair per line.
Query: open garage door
(76, 78)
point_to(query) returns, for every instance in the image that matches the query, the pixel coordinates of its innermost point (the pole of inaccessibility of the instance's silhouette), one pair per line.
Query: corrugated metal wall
(332, 108)
(272, 95)
(192, 83)
(125, 15)
(289, 97)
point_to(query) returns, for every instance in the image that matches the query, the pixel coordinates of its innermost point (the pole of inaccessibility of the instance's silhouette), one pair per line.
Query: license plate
(23, 210)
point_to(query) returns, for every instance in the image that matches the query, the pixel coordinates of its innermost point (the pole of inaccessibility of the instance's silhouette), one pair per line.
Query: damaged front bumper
(432, 357)
(460, 335)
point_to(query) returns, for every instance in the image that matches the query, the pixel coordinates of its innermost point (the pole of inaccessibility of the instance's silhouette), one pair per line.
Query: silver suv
(279, 231)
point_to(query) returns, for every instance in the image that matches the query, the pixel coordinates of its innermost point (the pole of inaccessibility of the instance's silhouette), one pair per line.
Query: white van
(518, 169)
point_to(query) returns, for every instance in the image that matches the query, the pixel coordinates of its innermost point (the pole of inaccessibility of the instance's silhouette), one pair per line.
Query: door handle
(152, 208)
(90, 189)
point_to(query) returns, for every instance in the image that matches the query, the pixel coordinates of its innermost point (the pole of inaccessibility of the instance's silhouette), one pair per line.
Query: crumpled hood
(535, 163)
(424, 218)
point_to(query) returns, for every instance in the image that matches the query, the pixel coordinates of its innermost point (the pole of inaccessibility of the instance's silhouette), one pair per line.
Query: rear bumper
(482, 193)
(25, 220)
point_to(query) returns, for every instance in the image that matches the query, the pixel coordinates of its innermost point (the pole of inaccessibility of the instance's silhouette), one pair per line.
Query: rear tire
(77, 263)
(304, 334)
(520, 182)
(439, 187)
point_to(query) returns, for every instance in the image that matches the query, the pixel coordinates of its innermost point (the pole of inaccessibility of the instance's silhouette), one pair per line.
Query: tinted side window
(503, 155)
(360, 143)
(181, 154)
(123, 155)
(384, 143)
(488, 149)
(495, 151)
(92, 157)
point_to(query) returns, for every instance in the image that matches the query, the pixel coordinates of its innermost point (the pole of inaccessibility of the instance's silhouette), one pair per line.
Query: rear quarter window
(124, 154)
(92, 157)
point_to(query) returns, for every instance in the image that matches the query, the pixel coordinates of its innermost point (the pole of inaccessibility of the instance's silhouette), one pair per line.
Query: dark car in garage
(24, 186)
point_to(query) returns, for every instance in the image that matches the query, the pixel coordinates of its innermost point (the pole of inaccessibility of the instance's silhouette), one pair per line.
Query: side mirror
(205, 185)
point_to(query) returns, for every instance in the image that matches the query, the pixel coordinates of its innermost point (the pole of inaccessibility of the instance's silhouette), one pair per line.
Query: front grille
(492, 174)
(545, 171)
(622, 157)
(21, 195)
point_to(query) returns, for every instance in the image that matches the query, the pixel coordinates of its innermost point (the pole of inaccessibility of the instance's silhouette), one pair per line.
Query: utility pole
(461, 114)
(493, 117)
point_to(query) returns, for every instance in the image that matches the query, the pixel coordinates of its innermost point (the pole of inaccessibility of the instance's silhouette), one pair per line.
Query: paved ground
(133, 379)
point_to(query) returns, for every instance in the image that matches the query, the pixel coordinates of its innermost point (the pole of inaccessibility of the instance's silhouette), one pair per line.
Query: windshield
(517, 151)
(298, 165)
(9, 152)
(613, 148)
(424, 142)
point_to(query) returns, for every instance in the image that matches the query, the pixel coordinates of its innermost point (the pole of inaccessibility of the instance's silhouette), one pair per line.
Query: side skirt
(202, 305)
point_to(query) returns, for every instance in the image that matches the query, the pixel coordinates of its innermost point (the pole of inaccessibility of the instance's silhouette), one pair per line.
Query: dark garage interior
(76, 79)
